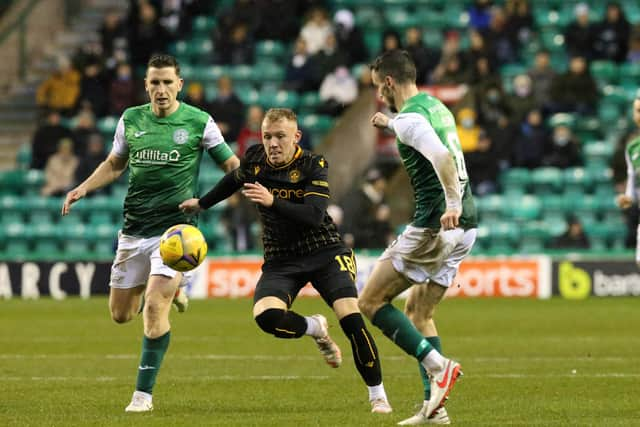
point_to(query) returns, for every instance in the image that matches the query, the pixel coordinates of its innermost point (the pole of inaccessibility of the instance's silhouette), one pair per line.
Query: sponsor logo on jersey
(294, 176)
(180, 136)
(287, 193)
(156, 157)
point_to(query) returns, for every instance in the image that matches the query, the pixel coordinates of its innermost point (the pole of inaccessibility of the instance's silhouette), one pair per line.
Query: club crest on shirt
(180, 136)
(294, 176)
(321, 163)
(256, 170)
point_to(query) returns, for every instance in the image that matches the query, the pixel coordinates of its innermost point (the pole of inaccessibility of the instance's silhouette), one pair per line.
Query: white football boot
(439, 416)
(140, 402)
(329, 349)
(441, 384)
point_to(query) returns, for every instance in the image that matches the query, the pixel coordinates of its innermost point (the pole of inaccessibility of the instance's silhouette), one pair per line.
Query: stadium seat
(617, 95)
(270, 50)
(107, 126)
(457, 18)
(32, 181)
(203, 25)
(552, 40)
(280, 98)
(399, 18)
(47, 250)
(629, 73)
(316, 123)
(269, 72)
(433, 38)
(247, 94)
(504, 237)
(309, 102)
(608, 112)
(553, 205)
(490, 207)
(562, 119)
(11, 181)
(201, 50)
(23, 156)
(373, 40)
(584, 207)
(605, 71)
(515, 180)
(535, 235)
(601, 179)
(546, 180)
(97, 218)
(521, 208)
(588, 129)
(577, 180)
(598, 154)
(369, 18)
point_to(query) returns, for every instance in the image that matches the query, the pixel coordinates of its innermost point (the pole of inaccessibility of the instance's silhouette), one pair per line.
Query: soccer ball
(182, 247)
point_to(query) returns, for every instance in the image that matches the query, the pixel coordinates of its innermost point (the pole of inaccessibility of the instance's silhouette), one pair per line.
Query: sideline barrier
(236, 276)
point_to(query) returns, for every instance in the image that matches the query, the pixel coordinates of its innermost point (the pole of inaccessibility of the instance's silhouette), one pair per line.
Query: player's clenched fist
(624, 201)
(380, 120)
(72, 197)
(190, 206)
(258, 193)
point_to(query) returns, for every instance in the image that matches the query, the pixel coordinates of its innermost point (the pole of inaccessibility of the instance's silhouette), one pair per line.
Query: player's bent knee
(121, 316)
(269, 319)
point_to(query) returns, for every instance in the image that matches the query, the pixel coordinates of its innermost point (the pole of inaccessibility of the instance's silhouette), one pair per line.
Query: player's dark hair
(161, 60)
(397, 64)
(275, 114)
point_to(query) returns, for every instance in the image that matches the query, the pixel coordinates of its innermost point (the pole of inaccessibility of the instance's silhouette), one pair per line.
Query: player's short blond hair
(275, 114)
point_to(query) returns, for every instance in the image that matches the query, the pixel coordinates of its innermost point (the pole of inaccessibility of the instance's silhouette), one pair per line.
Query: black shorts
(332, 273)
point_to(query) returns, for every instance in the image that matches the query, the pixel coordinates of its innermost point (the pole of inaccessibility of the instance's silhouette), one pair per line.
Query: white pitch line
(258, 357)
(612, 375)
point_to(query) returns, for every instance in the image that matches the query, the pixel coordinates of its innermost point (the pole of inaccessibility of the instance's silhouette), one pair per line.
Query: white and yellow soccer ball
(183, 247)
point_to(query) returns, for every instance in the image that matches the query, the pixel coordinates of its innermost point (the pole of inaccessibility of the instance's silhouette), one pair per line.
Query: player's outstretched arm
(107, 172)
(228, 185)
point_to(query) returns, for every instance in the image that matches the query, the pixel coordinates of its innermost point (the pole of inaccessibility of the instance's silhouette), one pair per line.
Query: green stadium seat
(17, 250)
(270, 50)
(269, 72)
(203, 25)
(433, 38)
(316, 123)
(585, 207)
(521, 207)
(432, 19)
(608, 112)
(97, 218)
(369, 18)
(562, 119)
(201, 50)
(509, 71)
(546, 180)
(577, 180)
(280, 98)
(552, 40)
(107, 126)
(32, 181)
(606, 71)
(11, 181)
(602, 179)
(598, 154)
(373, 41)
(8, 217)
(503, 237)
(399, 18)
(309, 102)
(535, 235)
(629, 73)
(515, 180)
(46, 250)
(617, 95)
(490, 207)
(457, 18)
(553, 205)
(588, 129)
(10, 202)
(23, 156)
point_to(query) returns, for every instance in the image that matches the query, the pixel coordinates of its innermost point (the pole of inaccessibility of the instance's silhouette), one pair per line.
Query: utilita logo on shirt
(155, 157)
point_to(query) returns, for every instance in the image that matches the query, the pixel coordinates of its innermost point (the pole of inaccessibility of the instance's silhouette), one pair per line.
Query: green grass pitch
(526, 362)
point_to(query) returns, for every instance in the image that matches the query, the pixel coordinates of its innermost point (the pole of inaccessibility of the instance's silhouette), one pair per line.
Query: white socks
(314, 328)
(433, 362)
(377, 392)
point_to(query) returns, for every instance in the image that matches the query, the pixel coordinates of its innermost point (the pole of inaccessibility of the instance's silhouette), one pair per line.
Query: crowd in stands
(503, 119)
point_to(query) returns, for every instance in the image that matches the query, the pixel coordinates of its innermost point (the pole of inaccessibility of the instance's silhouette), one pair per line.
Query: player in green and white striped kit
(162, 142)
(632, 156)
(428, 253)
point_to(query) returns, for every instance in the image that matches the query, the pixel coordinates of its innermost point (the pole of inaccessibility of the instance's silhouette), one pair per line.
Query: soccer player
(632, 156)
(301, 244)
(162, 142)
(429, 251)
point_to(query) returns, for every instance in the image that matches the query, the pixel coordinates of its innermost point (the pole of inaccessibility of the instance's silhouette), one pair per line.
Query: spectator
(468, 129)
(236, 48)
(85, 127)
(325, 61)
(482, 166)
(519, 22)
(479, 14)
(61, 90)
(298, 76)
(112, 32)
(46, 138)
(633, 56)
(424, 57)
(94, 155)
(195, 97)
(251, 132)
(492, 106)
(449, 71)
(349, 37)
(93, 90)
(522, 100)
(227, 109)
(481, 76)
(337, 91)
(367, 217)
(478, 49)
(580, 34)
(611, 40)
(573, 238)
(316, 30)
(565, 149)
(532, 141)
(146, 33)
(574, 90)
(60, 170)
(237, 217)
(122, 90)
(502, 134)
(391, 41)
(542, 75)
(498, 39)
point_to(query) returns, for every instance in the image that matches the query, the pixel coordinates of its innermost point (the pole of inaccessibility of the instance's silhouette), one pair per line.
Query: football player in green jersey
(632, 156)
(428, 253)
(162, 143)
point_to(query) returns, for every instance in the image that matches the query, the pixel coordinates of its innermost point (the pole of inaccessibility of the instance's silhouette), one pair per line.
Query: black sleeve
(228, 185)
(316, 198)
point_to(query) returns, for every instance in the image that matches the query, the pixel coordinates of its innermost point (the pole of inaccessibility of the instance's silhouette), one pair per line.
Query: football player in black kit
(301, 244)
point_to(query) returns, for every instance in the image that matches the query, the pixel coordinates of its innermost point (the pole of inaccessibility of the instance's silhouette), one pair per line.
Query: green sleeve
(220, 153)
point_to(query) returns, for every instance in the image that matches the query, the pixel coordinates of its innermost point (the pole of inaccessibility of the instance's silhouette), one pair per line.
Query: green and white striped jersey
(164, 161)
(426, 136)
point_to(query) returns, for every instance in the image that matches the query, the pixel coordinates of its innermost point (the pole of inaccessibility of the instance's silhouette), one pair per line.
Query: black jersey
(303, 180)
